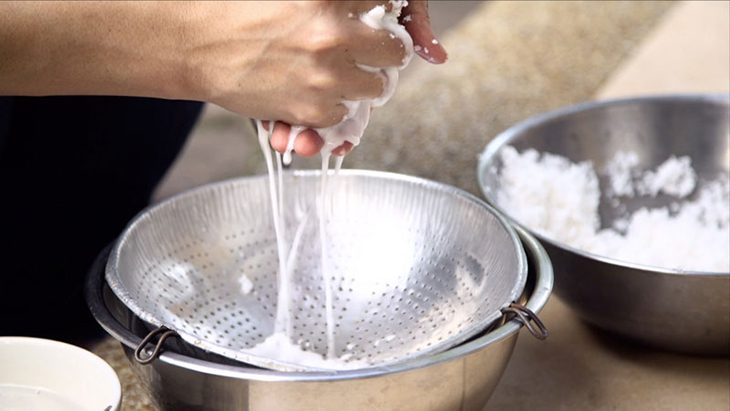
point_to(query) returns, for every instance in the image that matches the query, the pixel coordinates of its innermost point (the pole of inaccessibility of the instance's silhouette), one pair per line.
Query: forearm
(294, 61)
(115, 48)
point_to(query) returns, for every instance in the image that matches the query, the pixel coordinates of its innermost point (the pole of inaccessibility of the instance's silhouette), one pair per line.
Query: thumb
(417, 22)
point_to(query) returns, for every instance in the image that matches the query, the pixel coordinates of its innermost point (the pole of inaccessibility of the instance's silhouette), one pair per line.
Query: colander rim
(118, 288)
(536, 301)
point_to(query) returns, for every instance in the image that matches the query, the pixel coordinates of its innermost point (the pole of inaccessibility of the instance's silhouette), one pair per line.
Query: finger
(361, 84)
(308, 143)
(416, 20)
(314, 114)
(335, 116)
(280, 136)
(375, 48)
(343, 149)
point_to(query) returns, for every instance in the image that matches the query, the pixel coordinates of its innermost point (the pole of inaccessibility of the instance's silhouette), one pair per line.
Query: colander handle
(139, 352)
(529, 319)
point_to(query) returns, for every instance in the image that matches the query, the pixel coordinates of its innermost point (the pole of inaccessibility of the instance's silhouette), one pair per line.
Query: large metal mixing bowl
(462, 378)
(671, 309)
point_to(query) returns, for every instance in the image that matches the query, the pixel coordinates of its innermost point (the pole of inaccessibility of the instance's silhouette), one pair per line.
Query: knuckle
(311, 113)
(322, 80)
(324, 38)
(396, 51)
(328, 118)
(370, 86)
(322, 44)
(377, 86)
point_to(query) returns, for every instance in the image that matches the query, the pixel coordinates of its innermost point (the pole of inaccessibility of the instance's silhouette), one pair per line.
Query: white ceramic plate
(45, 375)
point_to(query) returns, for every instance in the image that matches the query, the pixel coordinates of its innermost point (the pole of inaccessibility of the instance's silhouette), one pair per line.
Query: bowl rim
(536, 302)
(112, 379)
(118, 288)
(492, 149)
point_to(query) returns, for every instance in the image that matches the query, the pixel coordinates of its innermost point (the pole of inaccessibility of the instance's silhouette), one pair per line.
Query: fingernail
(439, 52)
(433, 53)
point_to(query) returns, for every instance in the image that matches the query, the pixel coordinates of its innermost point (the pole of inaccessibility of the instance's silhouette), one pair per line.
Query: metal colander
(415, 266)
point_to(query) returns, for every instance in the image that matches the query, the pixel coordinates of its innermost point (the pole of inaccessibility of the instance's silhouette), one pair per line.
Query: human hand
(290, 61)
(293, 61)
(417, 22)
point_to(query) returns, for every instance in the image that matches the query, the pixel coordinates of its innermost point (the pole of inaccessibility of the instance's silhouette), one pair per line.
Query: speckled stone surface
(134, 396)
(508, 60)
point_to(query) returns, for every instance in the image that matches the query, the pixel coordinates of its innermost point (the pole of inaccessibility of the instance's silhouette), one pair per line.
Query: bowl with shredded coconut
(630, 198)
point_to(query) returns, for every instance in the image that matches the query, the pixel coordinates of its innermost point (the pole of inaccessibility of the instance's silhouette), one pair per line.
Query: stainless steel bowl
(676, 310)
(186, 378)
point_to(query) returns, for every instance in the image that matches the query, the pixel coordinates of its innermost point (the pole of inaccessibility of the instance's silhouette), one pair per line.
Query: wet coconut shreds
(560, 199)
(279, 345)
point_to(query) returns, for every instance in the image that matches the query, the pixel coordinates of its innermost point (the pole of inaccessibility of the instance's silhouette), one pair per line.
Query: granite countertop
(509, 60)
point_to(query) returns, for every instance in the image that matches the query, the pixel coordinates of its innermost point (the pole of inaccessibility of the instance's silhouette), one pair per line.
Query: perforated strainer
(415, 266)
